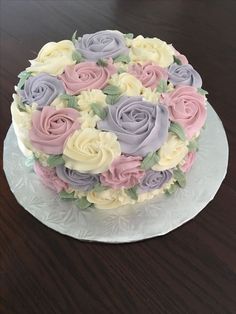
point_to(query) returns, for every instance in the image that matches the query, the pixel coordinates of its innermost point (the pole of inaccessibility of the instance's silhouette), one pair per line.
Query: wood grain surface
(192, 269)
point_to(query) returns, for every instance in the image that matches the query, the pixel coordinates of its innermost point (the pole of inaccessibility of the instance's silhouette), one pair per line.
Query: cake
(109, 119)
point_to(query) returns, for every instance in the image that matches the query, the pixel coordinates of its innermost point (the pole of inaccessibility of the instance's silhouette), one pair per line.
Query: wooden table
(192, 269)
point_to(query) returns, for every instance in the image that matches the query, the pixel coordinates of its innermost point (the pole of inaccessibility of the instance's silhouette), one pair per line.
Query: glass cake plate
(129, 223)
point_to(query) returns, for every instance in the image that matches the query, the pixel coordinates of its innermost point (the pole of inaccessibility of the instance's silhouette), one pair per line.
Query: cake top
(109, 110)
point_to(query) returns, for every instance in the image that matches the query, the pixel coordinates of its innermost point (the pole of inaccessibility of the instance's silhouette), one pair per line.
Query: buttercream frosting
(140, 126)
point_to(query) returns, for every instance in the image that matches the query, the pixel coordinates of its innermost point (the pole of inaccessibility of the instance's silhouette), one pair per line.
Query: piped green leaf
(23, 76)
(111, 90)
(83, 203)
(171, 190)
(102, 63)
(21, 107)
(77, 56)
(120, 70)
(99, 188)
(112, 99)
(73, 39)
(193, 146)
(55, 160)
(99, 110)
(162, 87)
(129, 35)
(66, 195)
(132, 193)
(178, 130)
(150, 160)
(202, 91)
(71, 101)
(179, 177)
(177, 61)
(122, 58)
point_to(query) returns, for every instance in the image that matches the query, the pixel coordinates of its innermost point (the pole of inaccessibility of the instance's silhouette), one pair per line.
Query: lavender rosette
(41, 89)
(184, 75)
(140, 126)
(81, 181)
(102, 45)
(154, 180)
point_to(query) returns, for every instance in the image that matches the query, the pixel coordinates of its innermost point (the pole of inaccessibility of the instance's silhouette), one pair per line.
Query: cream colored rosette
(87, 117)
(151, 49)
(53, 58)
(150, 95)
(21, 121)
(88, 120)
(91, 150)
(109, 198)
(171, 153)
(128, 84)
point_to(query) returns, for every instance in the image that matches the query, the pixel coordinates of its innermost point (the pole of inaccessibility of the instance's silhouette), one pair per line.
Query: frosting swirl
(151, 49)
(53, 57)
(90, 150)
(127, 83)
(187, 107)
(124, 172)
(171, 153)
(140, 126)
(49, 178)
(154, 180)
(149, 74)
(109, 198)
(86, 76)
(81, 181)
(51, 128)
(184, 75)
(41, 89)
(102, 45)
(188, 162)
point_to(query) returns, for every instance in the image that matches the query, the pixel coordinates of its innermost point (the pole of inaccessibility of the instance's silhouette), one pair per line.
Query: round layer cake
(109, 119)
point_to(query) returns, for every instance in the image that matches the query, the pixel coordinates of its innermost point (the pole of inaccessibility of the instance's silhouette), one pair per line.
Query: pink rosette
(124, 172)
(182, 58)
(49, 178)
(51, 128)
(189, 161)
(149, 74)
(86, 76)
(186, 107)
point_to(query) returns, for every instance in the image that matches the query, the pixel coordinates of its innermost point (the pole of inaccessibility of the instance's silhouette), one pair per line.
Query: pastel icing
(49, 177)
(102, 45)
(81, 181)
(86, 76)
(21, 121)
(149, 74)
(171, 153)
(42, 89)
(90, 150)
(188, 162)
(109, 118)
(154, 180)
(140, 126)
(53, 57)
(127, 83)
(184, 75)
(151, 49)
(109, 198)
(51, 128)
(125, 171)
(187, 107)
